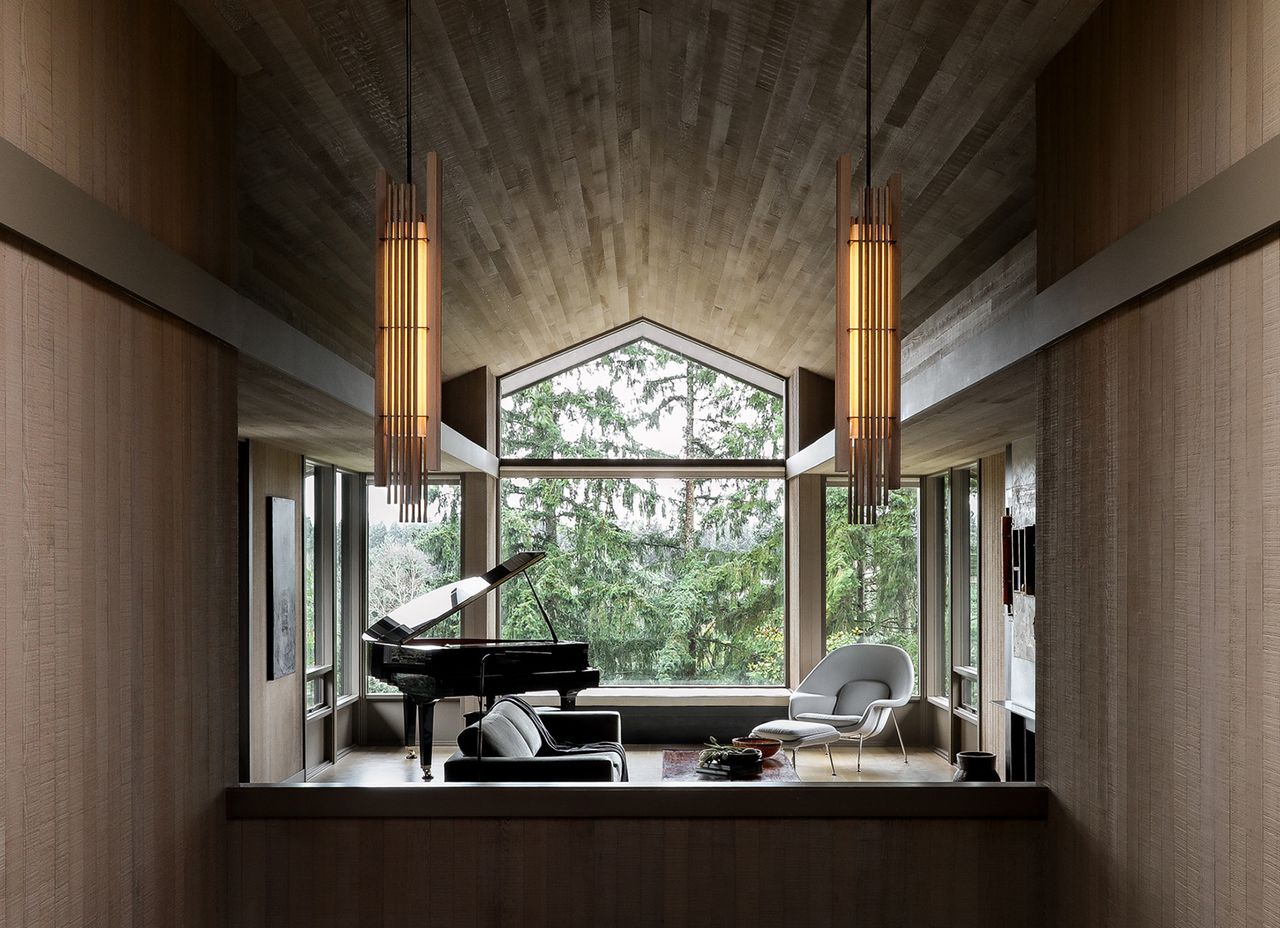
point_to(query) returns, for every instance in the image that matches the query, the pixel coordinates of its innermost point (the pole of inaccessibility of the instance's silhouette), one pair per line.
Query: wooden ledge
(625, 800)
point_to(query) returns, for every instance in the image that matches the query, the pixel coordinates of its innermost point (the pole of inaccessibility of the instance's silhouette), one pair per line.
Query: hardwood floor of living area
(385, 766)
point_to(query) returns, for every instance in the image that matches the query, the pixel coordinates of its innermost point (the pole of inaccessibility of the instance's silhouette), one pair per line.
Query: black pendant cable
(868, 138)
(408, 94)
(867, 164)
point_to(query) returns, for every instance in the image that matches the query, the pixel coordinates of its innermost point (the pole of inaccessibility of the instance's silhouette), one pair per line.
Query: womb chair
(855, 689)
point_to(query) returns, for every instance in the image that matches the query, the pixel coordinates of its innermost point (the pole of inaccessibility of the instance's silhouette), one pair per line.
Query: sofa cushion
(528, 730)
(501, 738)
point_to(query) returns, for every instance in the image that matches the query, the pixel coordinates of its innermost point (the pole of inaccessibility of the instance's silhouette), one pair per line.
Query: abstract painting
(282, 588)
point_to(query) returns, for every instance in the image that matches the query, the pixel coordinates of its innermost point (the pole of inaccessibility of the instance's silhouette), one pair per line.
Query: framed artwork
(282, 588)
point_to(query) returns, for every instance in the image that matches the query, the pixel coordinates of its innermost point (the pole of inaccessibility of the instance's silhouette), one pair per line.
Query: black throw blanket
(554, 748)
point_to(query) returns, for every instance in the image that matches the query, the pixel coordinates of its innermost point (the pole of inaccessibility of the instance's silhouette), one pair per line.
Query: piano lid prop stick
(537, 599)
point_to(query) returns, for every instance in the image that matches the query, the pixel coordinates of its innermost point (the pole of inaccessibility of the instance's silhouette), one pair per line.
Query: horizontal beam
(1225, 212)
(700, 469)
(1237, 205)
(625, 800)
(459, 453)
(43, 207)
(817, 458)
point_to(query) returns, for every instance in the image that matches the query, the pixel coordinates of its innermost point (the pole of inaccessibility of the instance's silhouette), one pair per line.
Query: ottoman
(795, 735)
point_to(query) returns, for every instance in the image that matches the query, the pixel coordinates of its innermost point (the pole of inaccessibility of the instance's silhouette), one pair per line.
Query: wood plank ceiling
(671, 159)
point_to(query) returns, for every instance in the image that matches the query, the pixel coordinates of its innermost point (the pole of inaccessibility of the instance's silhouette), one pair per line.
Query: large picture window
(407, 559)
(873, 574)
(670, 580)
(653, 479)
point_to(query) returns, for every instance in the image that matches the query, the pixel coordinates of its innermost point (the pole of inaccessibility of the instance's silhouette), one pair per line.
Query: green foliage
(642, 401)
(873, 585)
(409, 559)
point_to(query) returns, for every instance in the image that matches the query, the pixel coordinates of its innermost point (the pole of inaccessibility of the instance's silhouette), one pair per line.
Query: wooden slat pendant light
(407, 298)
(868, 341)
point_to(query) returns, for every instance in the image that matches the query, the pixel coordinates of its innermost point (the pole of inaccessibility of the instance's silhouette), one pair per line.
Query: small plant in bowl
(728, 756)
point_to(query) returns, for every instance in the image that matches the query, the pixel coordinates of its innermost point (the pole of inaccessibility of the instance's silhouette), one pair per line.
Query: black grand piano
(427, 670)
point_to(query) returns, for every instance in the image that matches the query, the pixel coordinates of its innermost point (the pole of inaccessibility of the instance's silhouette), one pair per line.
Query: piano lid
(430, 609)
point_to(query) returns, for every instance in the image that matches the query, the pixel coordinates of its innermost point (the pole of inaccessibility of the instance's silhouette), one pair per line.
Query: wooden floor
(383, 766)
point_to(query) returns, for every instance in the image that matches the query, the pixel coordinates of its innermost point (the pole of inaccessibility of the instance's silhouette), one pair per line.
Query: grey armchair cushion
(854, 697)
(838, 722)
(851, 702)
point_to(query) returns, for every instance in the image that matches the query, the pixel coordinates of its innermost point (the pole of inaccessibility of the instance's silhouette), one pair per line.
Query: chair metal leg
(830, 761)
(899, 731)
(859, 753)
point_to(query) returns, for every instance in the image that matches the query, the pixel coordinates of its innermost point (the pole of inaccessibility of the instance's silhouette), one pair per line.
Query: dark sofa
(514, 750)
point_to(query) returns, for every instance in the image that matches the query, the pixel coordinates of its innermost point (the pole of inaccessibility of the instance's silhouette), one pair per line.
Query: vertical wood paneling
(993, 721)
(118, 535)
(1147, 102)
(1156, 616)
(118, 723)
(1157, 497)
(125, 99)
(276, 707)
(640, 872)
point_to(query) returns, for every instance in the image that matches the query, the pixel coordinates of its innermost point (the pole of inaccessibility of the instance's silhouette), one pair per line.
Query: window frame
(955, 618)
(652, 468)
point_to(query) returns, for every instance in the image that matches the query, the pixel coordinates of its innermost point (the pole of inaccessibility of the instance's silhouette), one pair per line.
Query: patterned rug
(682, 765)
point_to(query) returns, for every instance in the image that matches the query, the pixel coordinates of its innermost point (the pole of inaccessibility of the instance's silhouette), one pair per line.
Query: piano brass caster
(412, 755)
(426, 775)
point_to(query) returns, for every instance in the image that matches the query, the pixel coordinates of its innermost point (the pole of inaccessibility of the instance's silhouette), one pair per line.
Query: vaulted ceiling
(615, 159)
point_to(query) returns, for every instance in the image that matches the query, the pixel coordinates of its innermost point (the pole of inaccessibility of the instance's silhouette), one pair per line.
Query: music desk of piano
(427, 670)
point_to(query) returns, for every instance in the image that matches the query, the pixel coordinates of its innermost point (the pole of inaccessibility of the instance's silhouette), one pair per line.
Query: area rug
(683, 765)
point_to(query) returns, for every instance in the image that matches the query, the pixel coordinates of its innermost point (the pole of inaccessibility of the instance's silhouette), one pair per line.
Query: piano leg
(410, 728)
(426, 723)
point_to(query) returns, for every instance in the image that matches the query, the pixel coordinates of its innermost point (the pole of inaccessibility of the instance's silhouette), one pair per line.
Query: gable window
(653, 479)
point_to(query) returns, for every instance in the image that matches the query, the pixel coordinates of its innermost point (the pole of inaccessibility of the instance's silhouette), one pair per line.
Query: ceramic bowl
(766, 746)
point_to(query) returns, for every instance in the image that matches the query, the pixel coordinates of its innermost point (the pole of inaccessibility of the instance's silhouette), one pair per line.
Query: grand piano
(427, 670)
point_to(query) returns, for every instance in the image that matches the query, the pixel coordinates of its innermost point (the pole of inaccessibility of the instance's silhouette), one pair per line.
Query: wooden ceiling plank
(614, 160)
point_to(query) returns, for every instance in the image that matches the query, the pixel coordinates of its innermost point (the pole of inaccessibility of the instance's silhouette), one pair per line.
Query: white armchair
(855, 690)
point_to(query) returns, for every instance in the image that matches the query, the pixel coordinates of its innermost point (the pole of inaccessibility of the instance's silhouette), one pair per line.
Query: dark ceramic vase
(976, 767)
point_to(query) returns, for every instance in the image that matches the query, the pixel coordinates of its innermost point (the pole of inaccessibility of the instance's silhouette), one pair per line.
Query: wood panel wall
(992, 721)
(126, 100)
(276, 707)
(118, 641)
(1150, 99)
(636, 872)
(117, 605)
(1158, 488)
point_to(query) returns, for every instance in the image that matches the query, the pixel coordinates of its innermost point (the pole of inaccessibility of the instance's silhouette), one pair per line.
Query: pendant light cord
(408, 94)
(868, 158)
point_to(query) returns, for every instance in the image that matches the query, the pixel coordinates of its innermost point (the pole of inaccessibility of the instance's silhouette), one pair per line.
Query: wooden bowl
(766, 746)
